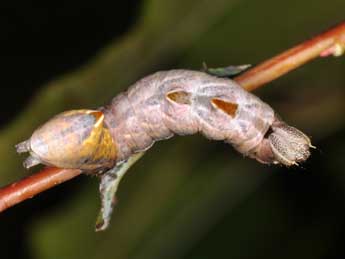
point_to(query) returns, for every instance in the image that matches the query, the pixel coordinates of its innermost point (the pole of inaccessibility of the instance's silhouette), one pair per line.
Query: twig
(331, 42)
(34, 184)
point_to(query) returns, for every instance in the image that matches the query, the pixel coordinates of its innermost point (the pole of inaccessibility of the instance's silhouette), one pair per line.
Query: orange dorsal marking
(179, 97)
(227, 107)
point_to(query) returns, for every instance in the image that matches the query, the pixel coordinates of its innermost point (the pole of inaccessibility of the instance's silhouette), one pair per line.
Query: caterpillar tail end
(23, 147)
(30, 161)
(72, 139)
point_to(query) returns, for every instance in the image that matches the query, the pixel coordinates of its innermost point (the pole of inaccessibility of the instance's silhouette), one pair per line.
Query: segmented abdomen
(186, 102)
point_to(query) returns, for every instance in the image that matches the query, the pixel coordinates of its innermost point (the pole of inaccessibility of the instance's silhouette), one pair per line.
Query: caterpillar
(158, 106)
(181, 102)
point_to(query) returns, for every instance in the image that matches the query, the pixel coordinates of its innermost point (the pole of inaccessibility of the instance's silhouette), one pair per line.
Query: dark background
(39, 42)
(189, 198)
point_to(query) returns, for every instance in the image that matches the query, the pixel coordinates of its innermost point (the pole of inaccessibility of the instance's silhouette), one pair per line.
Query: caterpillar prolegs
(158, 106)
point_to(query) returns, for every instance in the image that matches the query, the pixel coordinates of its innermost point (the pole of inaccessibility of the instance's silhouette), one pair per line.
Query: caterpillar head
(73, 139)
(282, 144)
(289, 145)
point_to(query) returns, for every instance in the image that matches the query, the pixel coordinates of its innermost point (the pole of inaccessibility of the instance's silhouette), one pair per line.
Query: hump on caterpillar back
(73, 139)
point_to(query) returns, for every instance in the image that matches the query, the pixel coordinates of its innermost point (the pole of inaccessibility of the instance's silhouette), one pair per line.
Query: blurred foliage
(189, 197)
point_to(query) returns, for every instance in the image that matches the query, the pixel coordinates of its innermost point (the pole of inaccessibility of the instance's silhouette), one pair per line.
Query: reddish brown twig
(34, 184)
(331, 42)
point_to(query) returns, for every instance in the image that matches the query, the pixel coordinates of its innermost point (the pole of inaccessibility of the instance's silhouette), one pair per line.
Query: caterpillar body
(107, 141)
(158, 106)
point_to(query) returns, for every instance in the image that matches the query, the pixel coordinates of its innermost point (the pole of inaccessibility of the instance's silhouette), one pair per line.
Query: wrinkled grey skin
(143, 114)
